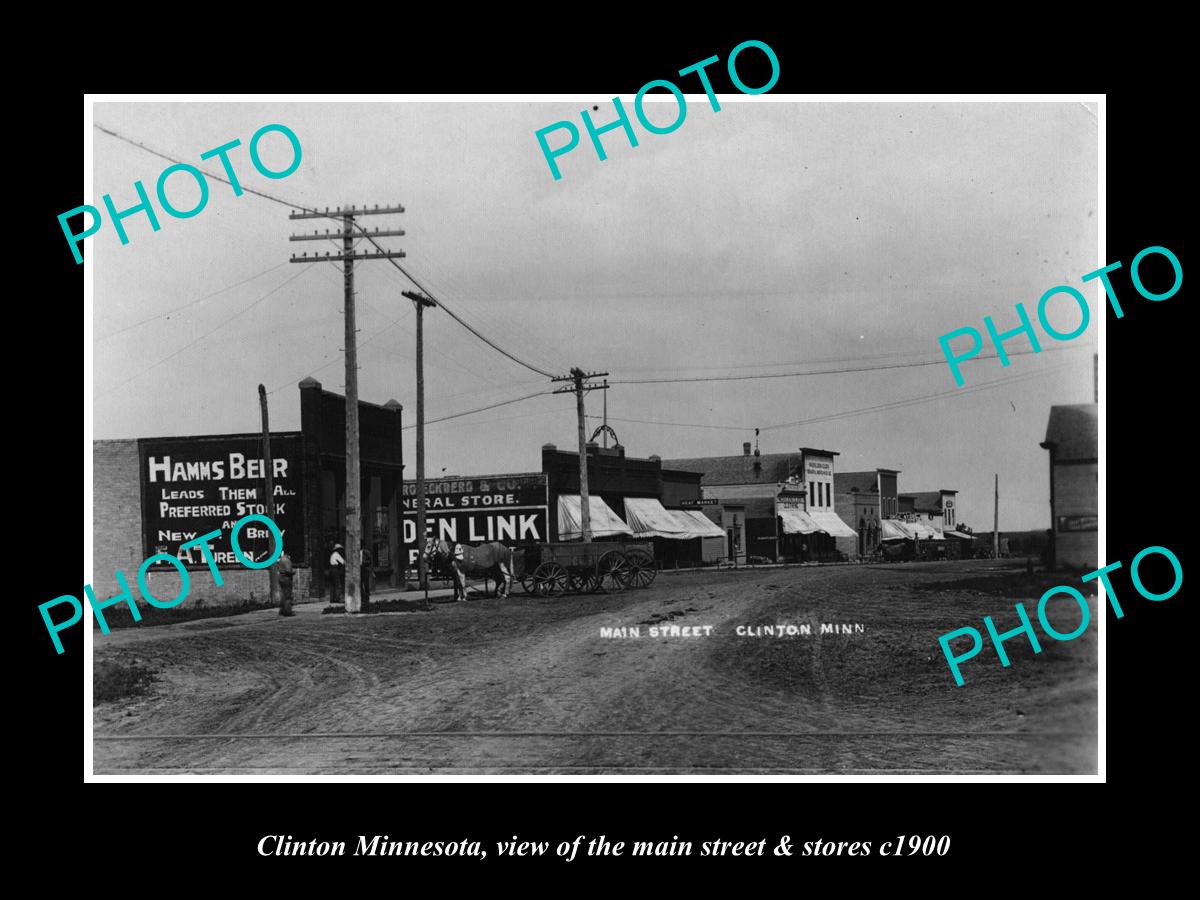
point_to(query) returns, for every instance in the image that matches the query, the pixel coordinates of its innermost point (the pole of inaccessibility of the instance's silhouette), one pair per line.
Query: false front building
(630, 499)
(863, 500)
(772, 506)
(1071, 438)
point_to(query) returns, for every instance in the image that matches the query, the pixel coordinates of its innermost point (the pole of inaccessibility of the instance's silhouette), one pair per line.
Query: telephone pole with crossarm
(348, 256)
(578, 386)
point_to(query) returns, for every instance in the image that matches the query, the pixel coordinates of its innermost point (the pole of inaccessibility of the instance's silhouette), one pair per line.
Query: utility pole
(347, 258)
(421, 302)
(996, 521)
(578, 386)
(269, 502)
(605, 429)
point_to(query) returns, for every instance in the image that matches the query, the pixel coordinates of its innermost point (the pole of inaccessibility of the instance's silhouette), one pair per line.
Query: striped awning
(604, 522)
(797, 521)
(831, 523)
(701, 525)
(926, 531)
(896, 530)
(647, 517)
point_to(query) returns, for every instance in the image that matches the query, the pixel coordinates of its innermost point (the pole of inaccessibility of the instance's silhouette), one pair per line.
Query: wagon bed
(550, 570)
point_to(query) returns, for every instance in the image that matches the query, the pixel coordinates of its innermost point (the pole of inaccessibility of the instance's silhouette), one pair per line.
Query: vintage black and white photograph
(539, 438)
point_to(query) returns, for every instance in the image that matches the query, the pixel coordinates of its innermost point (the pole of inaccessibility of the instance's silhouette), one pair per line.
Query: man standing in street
(284, 568)
(337, 573)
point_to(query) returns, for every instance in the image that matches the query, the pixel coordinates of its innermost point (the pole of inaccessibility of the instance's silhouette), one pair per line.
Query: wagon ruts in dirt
(551, 570)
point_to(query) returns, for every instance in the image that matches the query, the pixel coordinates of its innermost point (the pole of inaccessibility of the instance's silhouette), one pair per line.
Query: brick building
(153, 495)
(615, 478)
(862, 500)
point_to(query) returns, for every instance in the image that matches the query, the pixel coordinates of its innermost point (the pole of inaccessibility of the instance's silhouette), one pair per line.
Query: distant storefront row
(153, 495)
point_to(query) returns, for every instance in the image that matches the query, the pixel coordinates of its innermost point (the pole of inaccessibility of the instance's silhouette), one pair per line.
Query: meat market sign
(511, 509)
(192, 486)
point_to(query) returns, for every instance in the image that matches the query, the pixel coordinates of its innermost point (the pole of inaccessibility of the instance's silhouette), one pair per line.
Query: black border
(1147, 413)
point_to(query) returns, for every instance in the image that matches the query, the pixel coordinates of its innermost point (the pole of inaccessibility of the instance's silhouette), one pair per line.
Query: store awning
(797, 521)
(960, 535)
(649, 518)
(701, 525)
(896, 530)
(927, 531)
(604, 522)
(831, 523)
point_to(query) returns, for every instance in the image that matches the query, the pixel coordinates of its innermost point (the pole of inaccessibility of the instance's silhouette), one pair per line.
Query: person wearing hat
(337, 573)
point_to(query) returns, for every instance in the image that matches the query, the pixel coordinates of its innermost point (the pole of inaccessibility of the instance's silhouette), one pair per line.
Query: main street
(530, 685)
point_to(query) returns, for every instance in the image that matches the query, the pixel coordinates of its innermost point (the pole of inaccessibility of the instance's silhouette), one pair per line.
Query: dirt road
(530, 685)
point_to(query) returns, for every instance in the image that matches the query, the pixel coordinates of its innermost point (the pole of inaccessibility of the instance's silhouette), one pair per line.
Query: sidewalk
(388, 602)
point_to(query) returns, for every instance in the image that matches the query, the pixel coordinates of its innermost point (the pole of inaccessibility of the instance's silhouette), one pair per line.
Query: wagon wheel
(612, 571)
(584, 581)
(549, 580)
(642, 570)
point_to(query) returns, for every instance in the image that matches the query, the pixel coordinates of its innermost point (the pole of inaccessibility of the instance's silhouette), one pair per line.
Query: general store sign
(511, 509)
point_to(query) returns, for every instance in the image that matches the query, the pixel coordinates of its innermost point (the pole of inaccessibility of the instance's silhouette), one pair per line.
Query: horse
(494, 561)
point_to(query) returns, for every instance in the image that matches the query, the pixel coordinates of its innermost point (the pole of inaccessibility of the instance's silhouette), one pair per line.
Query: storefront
(818, 474)
(152, 495)
(863, 500)
(629, 499)
(509, 509)
(762, 492)
(796, 527)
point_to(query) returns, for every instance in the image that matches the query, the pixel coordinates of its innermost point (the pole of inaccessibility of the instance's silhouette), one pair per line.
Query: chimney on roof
(746, 449)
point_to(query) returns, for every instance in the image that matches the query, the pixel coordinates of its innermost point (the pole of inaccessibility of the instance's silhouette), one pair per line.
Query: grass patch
(380, 606)
(112, 681)
(122, 618)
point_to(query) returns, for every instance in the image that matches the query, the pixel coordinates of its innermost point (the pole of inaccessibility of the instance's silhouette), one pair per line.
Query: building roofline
(211, 437)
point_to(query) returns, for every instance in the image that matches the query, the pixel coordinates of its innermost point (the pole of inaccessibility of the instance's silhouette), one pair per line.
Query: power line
(912, 401)
(364, 232)
(207, 334)
(491, 388)
(171, 312)
(841, 371)
(843, 359)
(845, 414)
(494, 323)
(508, 418)
(471, 412)
(676, 424)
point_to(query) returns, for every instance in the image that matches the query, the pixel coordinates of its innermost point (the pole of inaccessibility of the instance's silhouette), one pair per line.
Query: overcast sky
(765, 238)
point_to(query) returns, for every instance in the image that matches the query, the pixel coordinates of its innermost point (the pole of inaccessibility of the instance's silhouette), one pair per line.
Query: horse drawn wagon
(550, 570)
